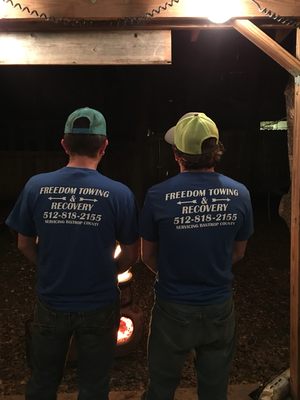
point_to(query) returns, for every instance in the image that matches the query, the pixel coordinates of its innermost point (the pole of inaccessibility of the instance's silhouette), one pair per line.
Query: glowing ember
(117, 251)
(125, 330)
(125, 277)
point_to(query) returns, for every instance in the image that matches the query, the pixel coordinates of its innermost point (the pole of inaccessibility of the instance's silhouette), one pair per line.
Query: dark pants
(95, 334)
(175, 331)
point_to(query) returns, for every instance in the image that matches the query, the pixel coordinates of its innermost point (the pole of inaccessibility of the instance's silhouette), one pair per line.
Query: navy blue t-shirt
(77, 215)
(196, 217)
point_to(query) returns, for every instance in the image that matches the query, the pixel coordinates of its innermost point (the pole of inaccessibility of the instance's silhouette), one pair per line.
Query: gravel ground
(261, 291)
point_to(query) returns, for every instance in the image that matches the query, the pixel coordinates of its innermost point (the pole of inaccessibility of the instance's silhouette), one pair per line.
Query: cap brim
(169, 136)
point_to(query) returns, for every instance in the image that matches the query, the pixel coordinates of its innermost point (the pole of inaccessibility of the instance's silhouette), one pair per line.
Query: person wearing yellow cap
(194, 227)
(68, 222)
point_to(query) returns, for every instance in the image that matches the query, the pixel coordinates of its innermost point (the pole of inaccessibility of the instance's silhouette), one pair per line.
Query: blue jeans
(95, 334)
(178, 329)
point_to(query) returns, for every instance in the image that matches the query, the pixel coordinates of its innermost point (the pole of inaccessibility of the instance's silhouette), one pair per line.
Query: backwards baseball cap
(191, 131)
(96, 124)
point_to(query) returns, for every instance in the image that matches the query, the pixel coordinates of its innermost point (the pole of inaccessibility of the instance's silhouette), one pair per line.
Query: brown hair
(210, 156)
(84, 144)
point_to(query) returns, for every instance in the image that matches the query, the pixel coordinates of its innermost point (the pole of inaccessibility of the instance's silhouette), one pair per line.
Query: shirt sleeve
(127, 232)
(148, 225)
(21, 217)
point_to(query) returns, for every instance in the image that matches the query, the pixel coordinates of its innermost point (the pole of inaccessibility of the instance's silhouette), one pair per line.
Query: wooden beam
(112, 9)
(268, 45)
(295, 245)
(86, 48)
(39, 25)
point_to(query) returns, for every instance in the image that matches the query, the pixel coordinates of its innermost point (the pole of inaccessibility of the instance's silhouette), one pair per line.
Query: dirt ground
(261, 291)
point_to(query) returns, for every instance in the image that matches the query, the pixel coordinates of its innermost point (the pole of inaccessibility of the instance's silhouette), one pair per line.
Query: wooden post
(295, 245)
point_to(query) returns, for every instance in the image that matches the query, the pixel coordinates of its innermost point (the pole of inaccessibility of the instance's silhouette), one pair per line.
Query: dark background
(220, 73)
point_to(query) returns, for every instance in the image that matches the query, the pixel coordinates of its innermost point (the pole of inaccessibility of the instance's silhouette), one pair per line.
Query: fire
(125, 277)
(117, 251)
(125, 330)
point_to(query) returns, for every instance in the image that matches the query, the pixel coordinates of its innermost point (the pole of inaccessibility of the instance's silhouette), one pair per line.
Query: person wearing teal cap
(68, 222)
(194, 226)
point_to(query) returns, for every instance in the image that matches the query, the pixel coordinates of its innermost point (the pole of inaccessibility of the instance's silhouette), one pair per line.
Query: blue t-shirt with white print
(195, 217)
(78, 215)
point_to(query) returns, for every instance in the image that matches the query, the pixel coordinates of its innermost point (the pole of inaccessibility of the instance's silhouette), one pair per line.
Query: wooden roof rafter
(268, 45)
(114, 9)
(143, 13)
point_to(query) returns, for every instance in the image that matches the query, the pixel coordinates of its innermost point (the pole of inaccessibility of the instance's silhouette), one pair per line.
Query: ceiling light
(2, 9)
(220, 11)
(217, 11)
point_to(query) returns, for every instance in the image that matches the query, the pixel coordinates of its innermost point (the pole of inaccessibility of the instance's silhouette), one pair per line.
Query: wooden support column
(295, 245)
(291, 64)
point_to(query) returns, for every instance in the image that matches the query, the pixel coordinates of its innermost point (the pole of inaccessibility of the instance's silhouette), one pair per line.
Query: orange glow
(125, 330)
(117, 251)
(125, 277)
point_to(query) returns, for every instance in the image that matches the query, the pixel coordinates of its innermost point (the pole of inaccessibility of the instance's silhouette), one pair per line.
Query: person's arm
(27, 245)
(128, 257)
(238, 252)
(149, 252)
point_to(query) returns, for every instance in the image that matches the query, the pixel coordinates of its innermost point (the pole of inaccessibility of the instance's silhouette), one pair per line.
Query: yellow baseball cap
(190, 132)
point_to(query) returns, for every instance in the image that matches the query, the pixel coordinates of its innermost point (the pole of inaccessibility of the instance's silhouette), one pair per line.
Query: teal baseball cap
(190, 132)
(96, 125)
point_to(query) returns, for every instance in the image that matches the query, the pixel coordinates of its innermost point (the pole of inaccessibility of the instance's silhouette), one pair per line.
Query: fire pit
(131, 321)
(125, 331)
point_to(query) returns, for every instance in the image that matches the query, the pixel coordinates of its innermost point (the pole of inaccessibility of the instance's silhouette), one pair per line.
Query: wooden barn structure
(131, 32)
